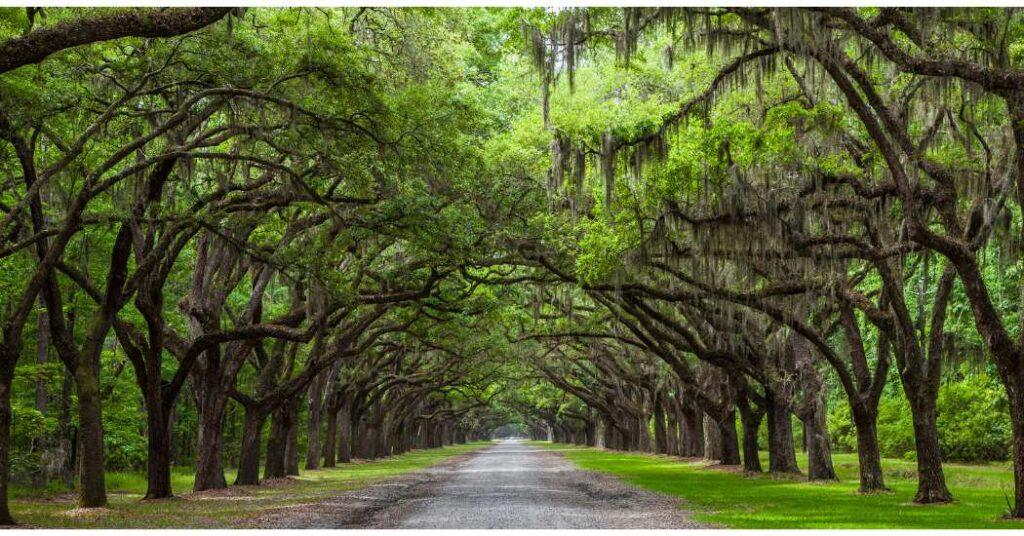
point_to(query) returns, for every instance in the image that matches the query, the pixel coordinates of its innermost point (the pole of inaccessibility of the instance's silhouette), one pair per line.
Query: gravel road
(511, 485)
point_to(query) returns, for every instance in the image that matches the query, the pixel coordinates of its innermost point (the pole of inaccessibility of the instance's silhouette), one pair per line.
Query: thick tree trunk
(751, 421)
(91, 476)
(345, 434)
(158, 435)
(871, 479)
(819, 447)
(931, 483)
(210, 442)
(315, 423)
(660, 433)
(249, 454)
(672, 435)
(730, 445)
(691, 433)
(291, 448)
(329, 449)
(274, 467)
(781, 452)
(712, 439)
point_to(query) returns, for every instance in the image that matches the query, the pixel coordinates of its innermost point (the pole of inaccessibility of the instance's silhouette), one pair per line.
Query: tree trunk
(931, 483)
(712, 439)
(816, 439)
(660, 433)
(91, 475)
(345, 434)
(210, 441)
(5, 437)
(249, 454)
(158, 435)
(691, 432)
(328, 450)
(42, 442)
(315, 423)
(1014, 382)
(781, 452)
(868, 456)
(291, 448)
(274, 467)
(751, 421)
(729, 441)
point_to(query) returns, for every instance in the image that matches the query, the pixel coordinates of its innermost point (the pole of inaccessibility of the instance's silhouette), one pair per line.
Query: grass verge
(732, 499)
(215, 508)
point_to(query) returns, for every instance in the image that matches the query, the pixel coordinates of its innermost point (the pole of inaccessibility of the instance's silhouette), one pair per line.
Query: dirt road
(511, 485)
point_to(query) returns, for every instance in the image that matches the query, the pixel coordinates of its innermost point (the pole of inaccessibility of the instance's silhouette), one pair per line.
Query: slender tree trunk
(249, 454)
(8, 361)
(42, 442)
(1014, 383)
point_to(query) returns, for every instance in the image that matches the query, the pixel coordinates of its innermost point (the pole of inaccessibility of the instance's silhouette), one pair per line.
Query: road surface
(511, 485)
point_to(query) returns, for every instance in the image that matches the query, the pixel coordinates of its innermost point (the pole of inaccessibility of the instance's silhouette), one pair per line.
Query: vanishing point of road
(511, 485)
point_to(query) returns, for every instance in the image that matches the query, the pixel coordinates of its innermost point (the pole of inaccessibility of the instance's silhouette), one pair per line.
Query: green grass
(213, 509)
(730, 499)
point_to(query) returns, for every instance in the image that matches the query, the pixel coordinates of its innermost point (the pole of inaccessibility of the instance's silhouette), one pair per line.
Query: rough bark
(781, 451)
(249, 455)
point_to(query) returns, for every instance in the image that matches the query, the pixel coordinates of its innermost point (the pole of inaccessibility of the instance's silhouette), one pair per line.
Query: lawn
(212, 509)
(731, 499)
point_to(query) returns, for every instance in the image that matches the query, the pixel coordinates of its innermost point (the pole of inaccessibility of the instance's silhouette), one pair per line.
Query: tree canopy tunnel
(275, 240)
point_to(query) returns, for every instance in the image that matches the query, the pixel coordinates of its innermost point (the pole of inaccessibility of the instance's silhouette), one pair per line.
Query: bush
(974, 422)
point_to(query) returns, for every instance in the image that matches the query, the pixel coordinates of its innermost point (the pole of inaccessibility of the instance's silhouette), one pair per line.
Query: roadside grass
(735, 500)
(226, 508)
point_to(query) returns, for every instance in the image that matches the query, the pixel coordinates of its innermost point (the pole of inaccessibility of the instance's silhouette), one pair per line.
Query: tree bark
(329, 449)
(730, 445)
(751, 421)
(210, 443)
(345, 434)
(660, 432)
(249, 454)
(274, 467)
(90, 437)
(819, 447)
(5, 436)
(871, 479)
(315, 424)
(291, 449)
(781, 451)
